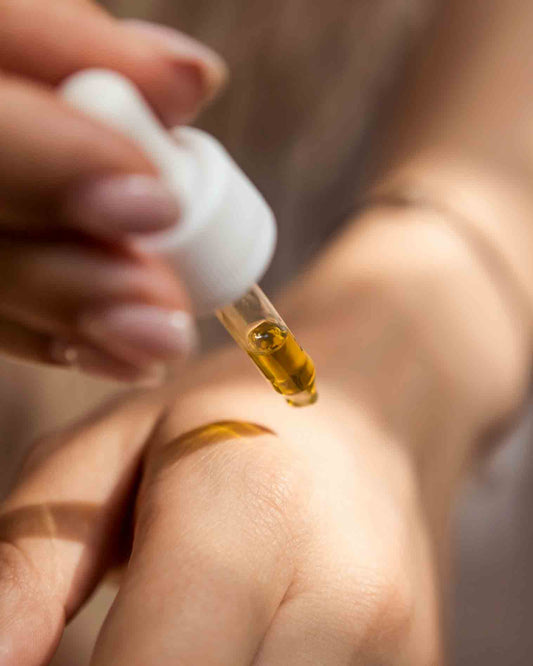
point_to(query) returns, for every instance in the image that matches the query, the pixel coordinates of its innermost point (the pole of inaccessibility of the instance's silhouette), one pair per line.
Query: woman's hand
(267, 535)
(72, 190)
(278, 536)
(308, 546)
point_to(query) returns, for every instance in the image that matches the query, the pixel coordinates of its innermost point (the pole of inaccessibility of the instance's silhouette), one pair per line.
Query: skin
(311, 536)
(316, 536)
(253, 565)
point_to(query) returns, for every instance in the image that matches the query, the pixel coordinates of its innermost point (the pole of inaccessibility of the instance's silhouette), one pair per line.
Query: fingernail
(121, 204)
(201, 71)
(100, 364)
(141, 334)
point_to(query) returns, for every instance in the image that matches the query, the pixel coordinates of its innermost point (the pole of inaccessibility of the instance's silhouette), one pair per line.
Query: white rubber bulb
(225, 237)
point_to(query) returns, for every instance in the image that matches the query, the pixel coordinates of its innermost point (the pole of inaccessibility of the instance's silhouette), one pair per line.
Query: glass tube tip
(304, 398)
(259, 330)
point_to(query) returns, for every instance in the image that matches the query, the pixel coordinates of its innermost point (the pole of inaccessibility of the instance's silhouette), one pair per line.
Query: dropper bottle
(226, 236)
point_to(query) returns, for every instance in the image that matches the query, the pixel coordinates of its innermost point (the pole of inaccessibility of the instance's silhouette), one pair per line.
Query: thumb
(62, 524)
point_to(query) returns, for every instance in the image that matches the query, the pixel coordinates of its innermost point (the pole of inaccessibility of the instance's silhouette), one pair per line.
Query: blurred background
(304, 135)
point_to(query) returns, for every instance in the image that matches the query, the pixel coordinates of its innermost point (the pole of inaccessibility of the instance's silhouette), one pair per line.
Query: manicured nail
(200, 71)
(98, 363)
(121, 204)
(141, 334)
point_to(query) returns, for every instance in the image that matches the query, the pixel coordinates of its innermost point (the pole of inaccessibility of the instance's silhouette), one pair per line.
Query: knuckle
(388, 606)
(396, 610)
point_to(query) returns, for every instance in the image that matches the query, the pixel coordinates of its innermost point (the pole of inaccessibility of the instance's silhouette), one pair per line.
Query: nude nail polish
(200, 72)
(141, 333)
(121, 204)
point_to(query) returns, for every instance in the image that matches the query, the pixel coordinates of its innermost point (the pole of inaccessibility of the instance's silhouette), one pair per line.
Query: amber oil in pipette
(259, 330)
(283, 362)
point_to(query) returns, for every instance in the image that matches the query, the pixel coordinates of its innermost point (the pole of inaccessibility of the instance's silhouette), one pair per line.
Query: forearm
(445, 250)
(400, 316)
(460, 134)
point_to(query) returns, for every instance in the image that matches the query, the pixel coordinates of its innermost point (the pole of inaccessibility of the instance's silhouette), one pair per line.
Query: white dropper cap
(226, 235)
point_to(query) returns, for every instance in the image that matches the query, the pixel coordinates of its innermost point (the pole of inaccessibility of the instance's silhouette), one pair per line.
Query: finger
(215, 72)
(21, 342)
(51, 40)
(312, 630)
(58, 165)
(130, 306)
(63, 522)
(339, 621)
(99, 363)
(211, 559)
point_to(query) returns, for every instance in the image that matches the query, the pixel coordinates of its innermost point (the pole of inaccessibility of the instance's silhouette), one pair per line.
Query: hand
(72, 190)
(308, 546)
(308, 537)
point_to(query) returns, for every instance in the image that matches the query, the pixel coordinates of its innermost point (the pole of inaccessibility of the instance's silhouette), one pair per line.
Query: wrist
(487, 200)
(401, 315)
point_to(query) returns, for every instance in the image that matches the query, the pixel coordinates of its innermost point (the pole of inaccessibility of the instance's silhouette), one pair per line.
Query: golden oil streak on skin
(205, 436)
